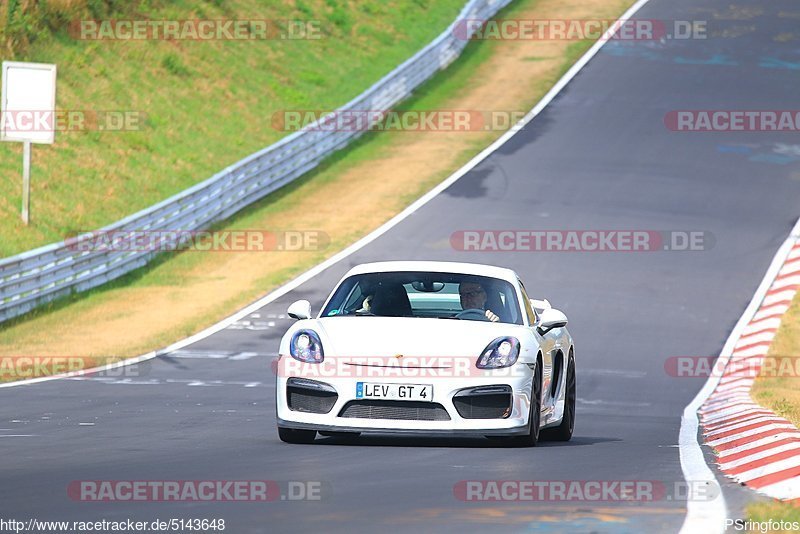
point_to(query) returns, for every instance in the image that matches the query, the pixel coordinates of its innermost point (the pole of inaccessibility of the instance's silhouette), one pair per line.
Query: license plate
(410, 392)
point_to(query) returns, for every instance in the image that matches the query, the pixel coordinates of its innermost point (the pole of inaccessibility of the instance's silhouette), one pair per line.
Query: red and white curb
(756, 447)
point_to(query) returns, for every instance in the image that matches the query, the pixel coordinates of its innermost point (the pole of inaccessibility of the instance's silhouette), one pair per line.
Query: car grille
(406, 410)
(484, 403)
(311, 400)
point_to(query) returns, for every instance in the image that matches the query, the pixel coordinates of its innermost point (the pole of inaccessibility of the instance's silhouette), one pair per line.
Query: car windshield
(424, 294)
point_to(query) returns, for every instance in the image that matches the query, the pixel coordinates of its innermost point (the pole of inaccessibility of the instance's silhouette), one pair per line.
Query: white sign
(27, 109)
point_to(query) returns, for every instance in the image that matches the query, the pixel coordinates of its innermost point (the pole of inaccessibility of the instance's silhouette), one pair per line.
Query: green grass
(207, 104)
(780, 393)
(168, 268)
(775, 511)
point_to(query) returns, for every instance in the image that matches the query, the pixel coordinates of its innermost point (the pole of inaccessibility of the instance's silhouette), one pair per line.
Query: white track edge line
(710, 515)
(372, 236)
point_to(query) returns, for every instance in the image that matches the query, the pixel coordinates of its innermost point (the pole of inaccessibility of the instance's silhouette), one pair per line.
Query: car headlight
(502, 352)
(306, 347)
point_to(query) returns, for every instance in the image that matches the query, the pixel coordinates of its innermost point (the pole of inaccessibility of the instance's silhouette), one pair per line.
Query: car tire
(531, 439)
(563, 432)
(293, 435)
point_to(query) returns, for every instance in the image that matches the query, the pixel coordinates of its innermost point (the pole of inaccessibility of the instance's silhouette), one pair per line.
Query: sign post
(26, 182)
(27, 114)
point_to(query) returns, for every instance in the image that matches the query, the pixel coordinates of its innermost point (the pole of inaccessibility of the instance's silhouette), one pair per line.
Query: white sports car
(431, 348)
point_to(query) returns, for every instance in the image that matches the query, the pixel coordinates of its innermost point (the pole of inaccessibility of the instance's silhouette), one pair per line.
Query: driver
(473, 296)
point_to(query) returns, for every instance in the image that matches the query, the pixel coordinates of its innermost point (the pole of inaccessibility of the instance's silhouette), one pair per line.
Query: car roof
(436, 267)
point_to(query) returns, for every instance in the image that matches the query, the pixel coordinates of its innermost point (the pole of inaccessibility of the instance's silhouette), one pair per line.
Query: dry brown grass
(148, 314)
(781, 394)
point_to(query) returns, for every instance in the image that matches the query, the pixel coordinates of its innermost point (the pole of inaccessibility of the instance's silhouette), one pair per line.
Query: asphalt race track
(598, 158)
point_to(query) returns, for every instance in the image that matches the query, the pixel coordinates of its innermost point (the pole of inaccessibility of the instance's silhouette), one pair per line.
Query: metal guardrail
(44, 274)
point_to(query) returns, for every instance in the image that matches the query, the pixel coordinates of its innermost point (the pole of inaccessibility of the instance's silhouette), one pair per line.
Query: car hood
(390, 336)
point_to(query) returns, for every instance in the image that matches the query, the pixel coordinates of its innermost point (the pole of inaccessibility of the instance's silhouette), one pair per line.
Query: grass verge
(780, 394)
(182, 293)
(194, 106)
(774, 511)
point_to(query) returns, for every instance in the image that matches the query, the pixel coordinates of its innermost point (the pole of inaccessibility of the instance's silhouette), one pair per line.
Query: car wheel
(292, 435)
(535, 416)
(563, 432)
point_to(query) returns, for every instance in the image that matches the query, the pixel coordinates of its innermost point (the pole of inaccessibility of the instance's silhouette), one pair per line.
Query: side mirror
(549, 319)
(540, 305)
(300, 310)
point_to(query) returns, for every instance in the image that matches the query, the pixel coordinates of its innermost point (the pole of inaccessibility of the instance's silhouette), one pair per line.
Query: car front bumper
(444, 390)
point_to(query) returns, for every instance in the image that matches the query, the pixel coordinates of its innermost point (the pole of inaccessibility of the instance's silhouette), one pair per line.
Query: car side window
(354, 299)
(532, 319)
